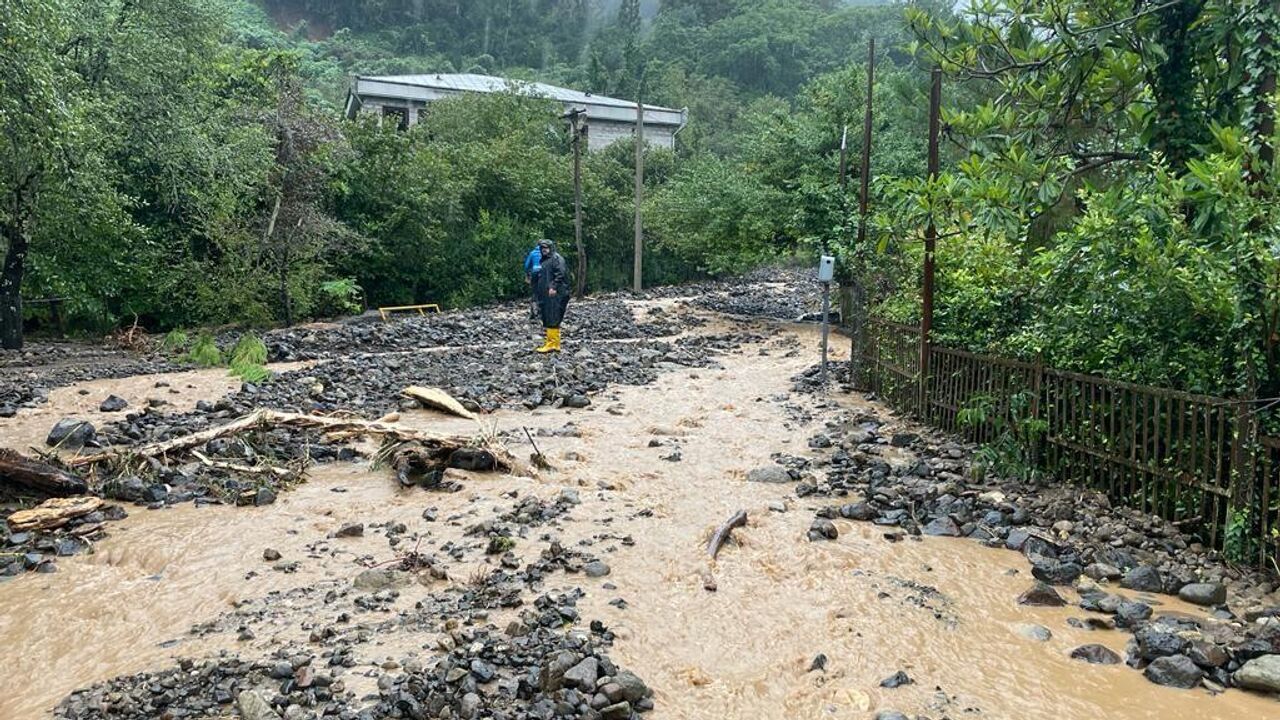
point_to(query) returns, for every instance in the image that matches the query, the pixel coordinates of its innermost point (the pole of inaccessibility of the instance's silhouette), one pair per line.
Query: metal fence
(1195, 460)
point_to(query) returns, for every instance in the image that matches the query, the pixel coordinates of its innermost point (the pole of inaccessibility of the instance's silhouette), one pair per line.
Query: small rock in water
(891, 715)
(823, 529)
(271, 555)
(1174, 671)
(895, 680)
(1096, 654)
(595, 568)
(770, 474)
(1131, 613)
(1041, 595)
(1102, 571)
(350, 530)
(819, 662)
(113, 403)
(577, 401)
(1035, 632)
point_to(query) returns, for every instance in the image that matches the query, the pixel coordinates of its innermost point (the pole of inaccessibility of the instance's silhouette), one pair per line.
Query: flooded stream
(943, 610)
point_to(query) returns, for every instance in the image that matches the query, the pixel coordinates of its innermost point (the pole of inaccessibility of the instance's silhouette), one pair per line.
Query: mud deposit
(580, 590)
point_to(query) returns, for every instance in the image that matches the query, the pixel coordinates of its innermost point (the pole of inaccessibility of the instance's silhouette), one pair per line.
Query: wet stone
(1041, 595)
(71, 434)
(1096, 654)
(770, 474)
(1143, 578)
(1174, 671)
(350, 530)
(1054, 571)
(113, 403)
(896, 680)
(1260, 673)
(1203, 593)
(823, 529)
(942, 527)
(1130, 614)
(595, 568)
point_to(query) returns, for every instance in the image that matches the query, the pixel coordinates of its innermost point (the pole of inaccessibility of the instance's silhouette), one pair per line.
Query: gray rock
(1174, 671)
(617, 711)
(633, 688)
(823, 529)
(891, 715)
(583, 675)
(943, 527)
(1096, 654)
(271, 555)
(1102, 571)
(1053, 571)
(469, 707)
(1261, 673)
(595, 568)
(113, 403)
(1039, 633)
(770, 474)
(1130, 614)
(71, 434)
(1157, 640)
(375, 579)
(1143, 578)
(858, 511)
(577, 401)
(1203, 593)
(896, 680)
(253, 706)
(350, 530)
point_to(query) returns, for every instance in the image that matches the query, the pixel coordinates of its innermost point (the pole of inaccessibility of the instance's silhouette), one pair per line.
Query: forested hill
(1107, 199)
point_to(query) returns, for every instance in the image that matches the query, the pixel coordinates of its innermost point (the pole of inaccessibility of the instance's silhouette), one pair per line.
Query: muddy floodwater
(942, 610)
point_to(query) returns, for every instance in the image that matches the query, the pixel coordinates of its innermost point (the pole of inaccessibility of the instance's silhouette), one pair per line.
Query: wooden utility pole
(860, 248)
(637, 282)
(930, 239)
(579, 132)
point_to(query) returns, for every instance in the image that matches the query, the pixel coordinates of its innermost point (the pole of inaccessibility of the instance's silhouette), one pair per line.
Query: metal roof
(464, 82)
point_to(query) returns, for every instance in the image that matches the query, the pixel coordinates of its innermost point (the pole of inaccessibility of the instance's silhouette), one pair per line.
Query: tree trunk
(37, 476)
(15, 235)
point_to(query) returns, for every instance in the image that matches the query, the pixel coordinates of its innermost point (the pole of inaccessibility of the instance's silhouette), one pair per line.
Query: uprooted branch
(439, 445)
(38, 476)
(722, 533)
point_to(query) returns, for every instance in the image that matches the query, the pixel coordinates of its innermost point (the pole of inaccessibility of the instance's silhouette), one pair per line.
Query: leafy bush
(341, 297)
(176, 340)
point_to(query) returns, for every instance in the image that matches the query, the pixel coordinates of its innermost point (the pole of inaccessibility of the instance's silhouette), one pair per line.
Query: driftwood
(37, 476)
(53, 513)
(437, 399)
(337, 427)
(722, 533)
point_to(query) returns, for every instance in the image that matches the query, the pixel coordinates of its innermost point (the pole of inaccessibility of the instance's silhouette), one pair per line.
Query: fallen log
(38, 476)
(437, 399)
(722, 533)
(337, 427)
(53, 513)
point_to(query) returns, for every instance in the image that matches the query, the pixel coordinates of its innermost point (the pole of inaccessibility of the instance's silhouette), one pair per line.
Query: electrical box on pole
(826, 273)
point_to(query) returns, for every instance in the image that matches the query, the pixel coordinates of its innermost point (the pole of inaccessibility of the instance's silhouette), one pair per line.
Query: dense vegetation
(1107, 200)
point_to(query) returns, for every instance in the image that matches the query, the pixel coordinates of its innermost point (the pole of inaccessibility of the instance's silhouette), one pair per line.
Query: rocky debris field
(494, 369)
(915, 482)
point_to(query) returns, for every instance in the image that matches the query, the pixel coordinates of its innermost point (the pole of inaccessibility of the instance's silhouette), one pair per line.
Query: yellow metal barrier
(385, 312)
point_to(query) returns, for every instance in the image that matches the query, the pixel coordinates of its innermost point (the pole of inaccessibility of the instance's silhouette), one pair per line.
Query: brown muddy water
(941, 609)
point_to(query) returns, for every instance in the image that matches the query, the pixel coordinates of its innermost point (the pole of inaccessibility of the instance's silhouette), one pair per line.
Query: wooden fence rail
(1195, 460)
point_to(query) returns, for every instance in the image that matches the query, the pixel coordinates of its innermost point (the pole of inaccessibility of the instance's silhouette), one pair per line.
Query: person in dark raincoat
(552, 291)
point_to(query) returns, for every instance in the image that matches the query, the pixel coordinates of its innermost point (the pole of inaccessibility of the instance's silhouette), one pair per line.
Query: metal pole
(826, 327)
(855, 352)
(930, 240)
(638, 271)
(578, 132)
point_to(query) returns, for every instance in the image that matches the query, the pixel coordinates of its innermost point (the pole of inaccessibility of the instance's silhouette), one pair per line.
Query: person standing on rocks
(532, 267)
(552, 291)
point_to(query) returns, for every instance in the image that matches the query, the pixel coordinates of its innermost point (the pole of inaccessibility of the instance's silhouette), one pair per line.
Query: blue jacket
(533, 262)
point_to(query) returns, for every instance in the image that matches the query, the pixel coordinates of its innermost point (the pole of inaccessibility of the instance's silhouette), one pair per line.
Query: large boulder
(1260, 673)
(1177, 671)
(1203, 593)
(1041, 595)
(71, 434)
(1143, 578)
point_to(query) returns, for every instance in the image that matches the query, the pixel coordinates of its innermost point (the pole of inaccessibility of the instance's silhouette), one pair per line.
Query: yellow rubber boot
(549, 345)
(555, 339)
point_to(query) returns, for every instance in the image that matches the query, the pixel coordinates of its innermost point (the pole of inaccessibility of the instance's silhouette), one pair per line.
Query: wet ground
(655, 468)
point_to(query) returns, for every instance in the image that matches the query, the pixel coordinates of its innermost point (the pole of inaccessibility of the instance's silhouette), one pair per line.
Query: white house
(607, 119)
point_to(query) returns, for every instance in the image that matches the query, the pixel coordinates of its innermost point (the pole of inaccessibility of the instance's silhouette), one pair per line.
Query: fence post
(1244, 475)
